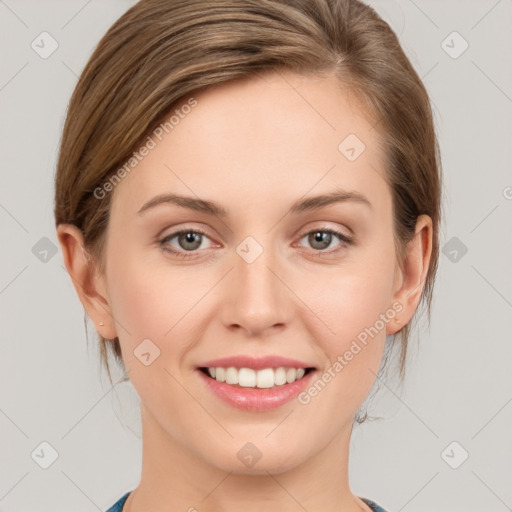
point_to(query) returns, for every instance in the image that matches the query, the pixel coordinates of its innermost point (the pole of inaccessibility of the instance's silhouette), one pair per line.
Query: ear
(86, 278)
(410, 277)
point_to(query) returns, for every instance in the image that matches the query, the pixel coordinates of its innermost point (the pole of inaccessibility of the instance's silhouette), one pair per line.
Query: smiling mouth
(250, 378)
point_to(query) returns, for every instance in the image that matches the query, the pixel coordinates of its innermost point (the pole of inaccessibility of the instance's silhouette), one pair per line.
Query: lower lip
(257, 399)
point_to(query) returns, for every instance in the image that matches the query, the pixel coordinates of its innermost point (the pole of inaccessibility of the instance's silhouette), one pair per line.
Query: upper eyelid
(344, 238)
(203, 231)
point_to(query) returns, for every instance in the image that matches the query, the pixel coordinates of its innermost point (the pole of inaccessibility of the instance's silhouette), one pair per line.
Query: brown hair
(161, 51)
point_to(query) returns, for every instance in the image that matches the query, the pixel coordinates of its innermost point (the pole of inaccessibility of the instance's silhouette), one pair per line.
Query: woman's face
(265, 279)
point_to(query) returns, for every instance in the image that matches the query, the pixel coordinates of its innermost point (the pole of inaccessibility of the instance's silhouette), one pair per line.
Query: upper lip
(256, 363)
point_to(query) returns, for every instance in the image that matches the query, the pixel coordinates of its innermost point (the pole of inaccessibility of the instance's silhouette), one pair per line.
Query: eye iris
(190, 238)
(322, 237)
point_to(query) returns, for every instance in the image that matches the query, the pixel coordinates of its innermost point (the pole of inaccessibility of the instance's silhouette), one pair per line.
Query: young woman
(248, 204)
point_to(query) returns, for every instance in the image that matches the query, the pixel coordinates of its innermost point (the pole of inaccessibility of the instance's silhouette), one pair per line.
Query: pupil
(321, 237)
(189, 240)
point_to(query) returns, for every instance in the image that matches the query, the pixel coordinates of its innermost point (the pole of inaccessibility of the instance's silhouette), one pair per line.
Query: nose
(257, 299)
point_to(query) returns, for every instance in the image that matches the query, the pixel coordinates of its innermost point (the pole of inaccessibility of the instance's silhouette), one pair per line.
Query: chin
(251, 460)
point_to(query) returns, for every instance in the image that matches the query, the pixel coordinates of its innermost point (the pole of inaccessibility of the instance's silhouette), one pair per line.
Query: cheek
(151, 302)
(352, 297)
(354, 303)
(138, 293)
(153, 299)
(148, 300)
(353, 307)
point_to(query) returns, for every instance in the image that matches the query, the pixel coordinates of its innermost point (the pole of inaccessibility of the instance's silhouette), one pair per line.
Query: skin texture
(255, 147)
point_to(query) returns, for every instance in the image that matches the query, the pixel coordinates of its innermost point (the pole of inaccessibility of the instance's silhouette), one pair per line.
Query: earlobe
(86, 279)
(413, 273)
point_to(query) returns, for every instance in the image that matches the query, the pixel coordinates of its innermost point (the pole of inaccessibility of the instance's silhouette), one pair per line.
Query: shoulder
(371, 504)
(118, 505)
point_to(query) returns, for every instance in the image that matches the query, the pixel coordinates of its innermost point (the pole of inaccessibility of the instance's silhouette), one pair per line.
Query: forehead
(279, 110)
(268, 136)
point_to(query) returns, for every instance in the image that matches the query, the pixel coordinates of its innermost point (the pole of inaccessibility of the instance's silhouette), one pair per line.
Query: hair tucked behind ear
(161, 51)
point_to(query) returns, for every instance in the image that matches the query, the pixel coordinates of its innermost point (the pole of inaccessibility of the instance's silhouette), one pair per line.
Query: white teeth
(249, 378)
(246, 377)
(231, 375)
(220, 374)
(265, 378)
(291, 373)
(280, 376)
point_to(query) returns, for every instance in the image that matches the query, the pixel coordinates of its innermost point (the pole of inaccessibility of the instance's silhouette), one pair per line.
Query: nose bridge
(259, 299)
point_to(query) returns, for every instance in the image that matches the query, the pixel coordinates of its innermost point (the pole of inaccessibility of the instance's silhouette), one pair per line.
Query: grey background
(459, 379)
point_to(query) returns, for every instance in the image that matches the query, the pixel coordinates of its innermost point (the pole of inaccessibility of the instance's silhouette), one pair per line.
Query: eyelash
(189, 254)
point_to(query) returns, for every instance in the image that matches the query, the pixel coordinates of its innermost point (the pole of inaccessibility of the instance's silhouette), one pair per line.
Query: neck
(175, 478)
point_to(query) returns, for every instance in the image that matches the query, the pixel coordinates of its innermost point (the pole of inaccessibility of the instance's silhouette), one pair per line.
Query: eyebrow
(301, 205)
